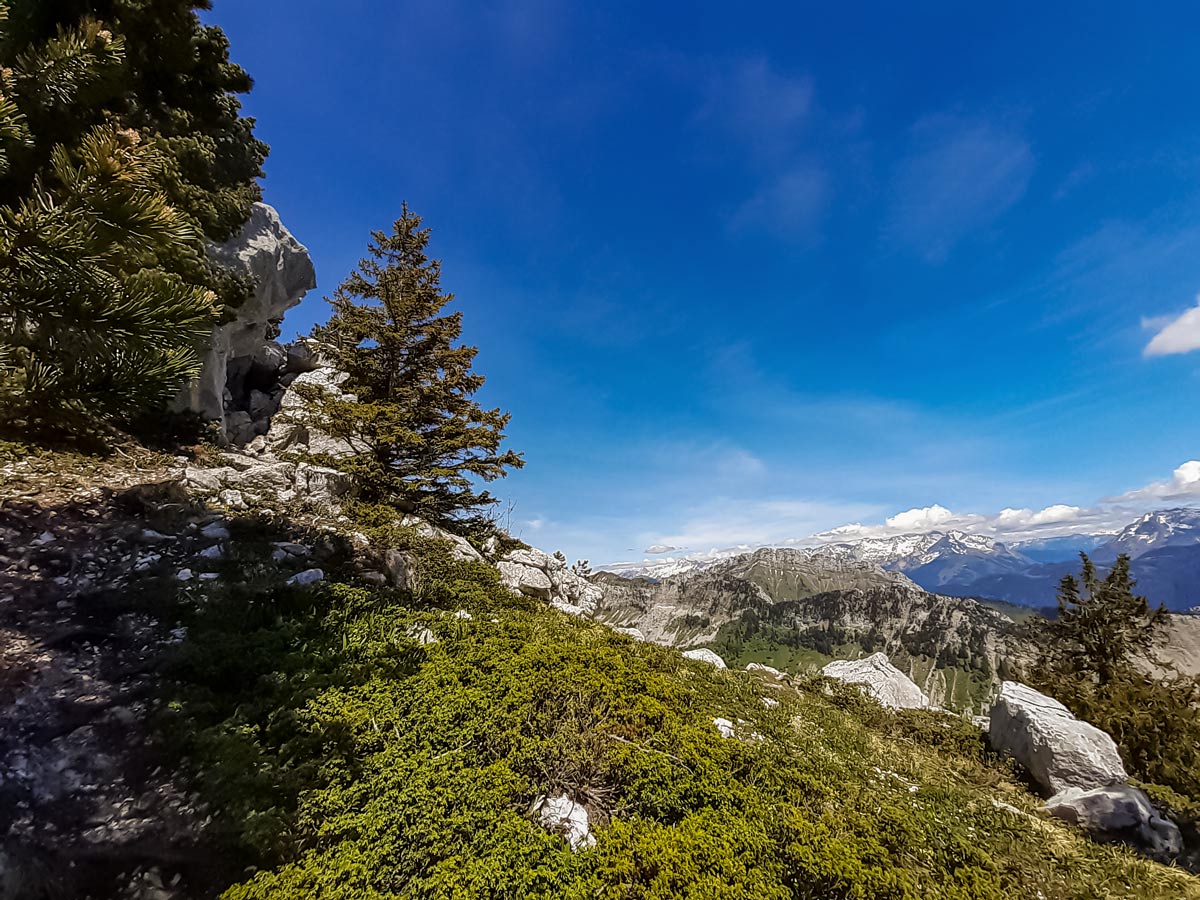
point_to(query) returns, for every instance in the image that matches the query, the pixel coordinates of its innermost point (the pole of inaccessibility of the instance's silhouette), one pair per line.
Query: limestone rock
(282, 272)
(525, 579)
(460, 547)
(876, 676)
(725, 727)
(705, 655)
(634, 633)
(564, 816)
(298, 426)
(760, 669)
(1059, 750)
(1119, 813)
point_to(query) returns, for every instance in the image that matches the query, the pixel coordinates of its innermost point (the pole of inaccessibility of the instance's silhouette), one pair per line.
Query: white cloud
(536, 524)
(1011, 518)
(921, 519)
(1183, 484)
(1180, 334)
(660, 548)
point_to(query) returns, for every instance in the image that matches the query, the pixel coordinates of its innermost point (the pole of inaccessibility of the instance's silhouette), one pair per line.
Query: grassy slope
(347, 760)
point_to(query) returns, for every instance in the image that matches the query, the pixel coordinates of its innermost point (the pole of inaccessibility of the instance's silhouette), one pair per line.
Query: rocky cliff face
(245, 370)
(791, 608)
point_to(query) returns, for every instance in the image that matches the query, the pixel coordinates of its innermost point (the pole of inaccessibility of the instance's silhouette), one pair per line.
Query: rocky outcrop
(245, 371)
(1059, 750)
(1119, 814)
(545, 577)
(298, 427)
(876, 676)
(247, 480)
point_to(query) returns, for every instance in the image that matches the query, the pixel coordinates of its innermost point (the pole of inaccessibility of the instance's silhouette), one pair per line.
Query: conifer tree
(425, 440)
(1102, 626)
(122, 154)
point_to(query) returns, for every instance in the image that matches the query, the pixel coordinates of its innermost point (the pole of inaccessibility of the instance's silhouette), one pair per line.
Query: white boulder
(876, 676)
(1059, 750)
(562, 815)
(1119, 813)
(525, 579)
(705, 655)
(635, 633)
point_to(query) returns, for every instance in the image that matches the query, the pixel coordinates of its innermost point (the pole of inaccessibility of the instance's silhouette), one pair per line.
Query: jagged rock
(216, 551)
(547, 577)
(631, 632)
(562, 815)
(378, 579)
(463, 615)
(525, 579)
(298, 425)
(1059, 750)
(398, 567)
(876, 676)
(215, 531)
(308, 576)
(301, 358)
(1119, 813)
(460, 547)
(769, 702)
(705, 655)
(281, 271)
(422, 635)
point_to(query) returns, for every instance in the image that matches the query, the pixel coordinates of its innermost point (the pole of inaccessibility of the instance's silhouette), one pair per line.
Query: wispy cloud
(790, 206)
(759, 107)
(1179, 334)
(959, 177)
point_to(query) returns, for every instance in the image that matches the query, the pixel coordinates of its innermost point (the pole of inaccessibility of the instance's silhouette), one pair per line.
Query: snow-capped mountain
(1164, 545)
(1153, 531)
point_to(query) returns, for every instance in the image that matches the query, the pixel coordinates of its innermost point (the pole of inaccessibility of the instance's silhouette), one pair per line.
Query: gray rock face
(1119, 813)
(876, 676)
(1059, 750)
(242, 355)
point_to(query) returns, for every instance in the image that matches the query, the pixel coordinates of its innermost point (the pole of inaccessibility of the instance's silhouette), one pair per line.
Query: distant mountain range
(1164, 547)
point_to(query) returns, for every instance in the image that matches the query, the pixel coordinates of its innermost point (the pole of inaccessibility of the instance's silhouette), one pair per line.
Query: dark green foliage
(425, 441)
(174, 85)
(1102, 626)
(350, 758)
(121, 154)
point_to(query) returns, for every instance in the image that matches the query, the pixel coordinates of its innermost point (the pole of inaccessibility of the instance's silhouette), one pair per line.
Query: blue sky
(746, 274)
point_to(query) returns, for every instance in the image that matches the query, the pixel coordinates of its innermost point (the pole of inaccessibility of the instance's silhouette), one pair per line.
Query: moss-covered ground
(347, 756)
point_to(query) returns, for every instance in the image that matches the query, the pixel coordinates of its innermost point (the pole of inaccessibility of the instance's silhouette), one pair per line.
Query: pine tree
(426, 441)
(1102, 627)
(94, 323)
